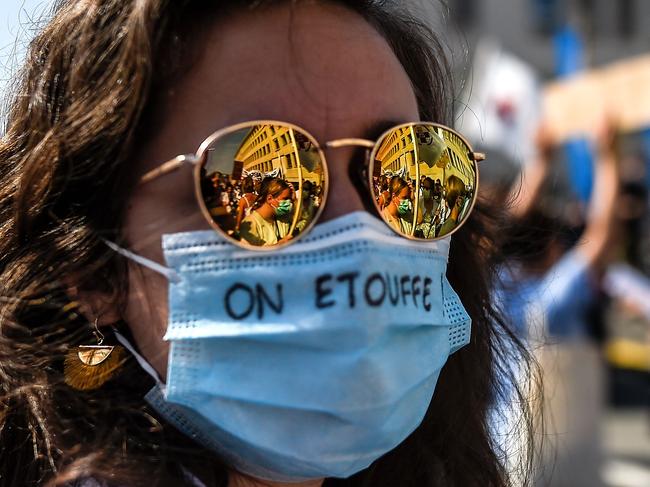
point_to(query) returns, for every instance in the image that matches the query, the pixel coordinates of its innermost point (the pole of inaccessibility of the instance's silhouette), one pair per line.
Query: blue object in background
(568, 52)
(569, 60)
(580, 167)
(546, 15)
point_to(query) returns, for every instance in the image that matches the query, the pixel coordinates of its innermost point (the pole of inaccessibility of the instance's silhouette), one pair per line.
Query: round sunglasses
(263, 184)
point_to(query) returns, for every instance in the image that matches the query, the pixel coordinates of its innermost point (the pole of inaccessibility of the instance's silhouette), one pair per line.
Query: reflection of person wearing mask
(437, 190)
(265, 225)
(454, 197)
(398, 212)
(317, 195)
(427, 210)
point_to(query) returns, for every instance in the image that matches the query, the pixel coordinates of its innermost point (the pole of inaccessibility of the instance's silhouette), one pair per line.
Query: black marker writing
(378, 289)
(322, 293)
(350, 277)
(379, 299)
(425, 294)
(248, 299)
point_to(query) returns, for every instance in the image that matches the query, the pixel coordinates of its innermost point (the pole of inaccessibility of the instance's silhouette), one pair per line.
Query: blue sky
(17, 26)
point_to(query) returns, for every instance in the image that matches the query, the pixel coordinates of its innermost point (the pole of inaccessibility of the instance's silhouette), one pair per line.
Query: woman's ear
(94, 305)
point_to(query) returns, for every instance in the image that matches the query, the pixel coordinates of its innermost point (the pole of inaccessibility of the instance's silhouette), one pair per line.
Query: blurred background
(557, 93)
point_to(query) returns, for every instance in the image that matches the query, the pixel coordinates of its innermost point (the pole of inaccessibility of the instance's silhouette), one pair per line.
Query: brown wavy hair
(397, 184)
(270, 186)
(83, 100)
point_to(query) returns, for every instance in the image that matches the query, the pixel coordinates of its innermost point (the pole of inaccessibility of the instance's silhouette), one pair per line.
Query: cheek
(167, 205)
(146, 314)
(161, 207)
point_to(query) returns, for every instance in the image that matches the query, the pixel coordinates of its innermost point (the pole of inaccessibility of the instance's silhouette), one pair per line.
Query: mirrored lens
(263, 185)
(423, 180)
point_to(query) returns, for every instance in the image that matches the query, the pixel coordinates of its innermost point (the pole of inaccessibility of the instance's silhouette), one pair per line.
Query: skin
(335, 76)
(247, 200)
(392, 208)
(600, 227)
(267, 210)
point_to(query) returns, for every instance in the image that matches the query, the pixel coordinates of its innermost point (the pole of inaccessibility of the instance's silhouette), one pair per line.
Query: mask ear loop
(146, 366)
(169, 274)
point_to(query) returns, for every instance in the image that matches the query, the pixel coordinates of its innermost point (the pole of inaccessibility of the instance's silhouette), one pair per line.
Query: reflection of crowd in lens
(430, 207)
(269, 221)
(439, 210)
(260, 211)
(398, 211)
(247, 200)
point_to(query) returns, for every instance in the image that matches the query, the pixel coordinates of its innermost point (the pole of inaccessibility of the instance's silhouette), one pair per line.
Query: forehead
(321, 67)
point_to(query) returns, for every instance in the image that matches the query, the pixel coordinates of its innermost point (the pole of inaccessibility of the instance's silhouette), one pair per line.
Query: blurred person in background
(549, 288)
(551, 259)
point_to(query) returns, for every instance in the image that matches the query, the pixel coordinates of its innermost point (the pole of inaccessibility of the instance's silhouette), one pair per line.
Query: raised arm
(600, 220)
(534, 172)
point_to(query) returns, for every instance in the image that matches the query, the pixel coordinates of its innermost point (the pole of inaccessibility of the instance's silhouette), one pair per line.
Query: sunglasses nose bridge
(348, 173)
(357, 172)
(347, 190)
(350, 142)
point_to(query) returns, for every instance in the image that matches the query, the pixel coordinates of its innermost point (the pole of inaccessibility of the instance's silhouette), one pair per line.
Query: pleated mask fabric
(311, 361)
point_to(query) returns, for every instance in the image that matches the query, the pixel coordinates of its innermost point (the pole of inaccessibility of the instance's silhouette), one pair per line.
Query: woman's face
(404, 194)
(323, 68)
(274, 201)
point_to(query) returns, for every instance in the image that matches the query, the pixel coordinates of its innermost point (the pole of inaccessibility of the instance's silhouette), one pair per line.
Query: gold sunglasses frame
(198, 159)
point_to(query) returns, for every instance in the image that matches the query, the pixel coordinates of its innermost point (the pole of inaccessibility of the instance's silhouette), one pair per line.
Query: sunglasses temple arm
(477, 156)
(169, 166)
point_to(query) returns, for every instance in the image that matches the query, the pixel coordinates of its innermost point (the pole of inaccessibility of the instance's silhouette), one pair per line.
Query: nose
(345, 196)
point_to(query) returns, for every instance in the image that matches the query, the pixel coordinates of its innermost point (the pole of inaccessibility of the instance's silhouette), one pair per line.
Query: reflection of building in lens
(422, 152)
(253, 154)
(396, 153)
(456, 160)
(440, 154)
(282, 152)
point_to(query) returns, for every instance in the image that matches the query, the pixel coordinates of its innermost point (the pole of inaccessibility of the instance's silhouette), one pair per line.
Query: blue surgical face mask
(311, 361)
(284, 208)
(404, 207)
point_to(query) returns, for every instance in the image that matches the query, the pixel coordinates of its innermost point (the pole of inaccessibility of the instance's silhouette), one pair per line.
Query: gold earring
(88, 367)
